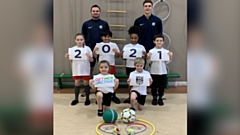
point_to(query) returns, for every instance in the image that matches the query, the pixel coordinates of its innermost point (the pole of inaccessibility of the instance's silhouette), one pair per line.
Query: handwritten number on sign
(105, 50)
(160, 54)
(78, 54)
(133, 54)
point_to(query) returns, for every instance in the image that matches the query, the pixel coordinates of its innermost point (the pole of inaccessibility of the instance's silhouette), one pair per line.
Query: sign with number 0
(132, 53)
(77, 54)
(105, 49)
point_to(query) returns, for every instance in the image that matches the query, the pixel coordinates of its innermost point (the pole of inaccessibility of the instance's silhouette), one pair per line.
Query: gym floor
(170, 119)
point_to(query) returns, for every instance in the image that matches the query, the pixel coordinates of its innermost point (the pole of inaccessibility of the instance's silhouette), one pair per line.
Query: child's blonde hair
(139, 61)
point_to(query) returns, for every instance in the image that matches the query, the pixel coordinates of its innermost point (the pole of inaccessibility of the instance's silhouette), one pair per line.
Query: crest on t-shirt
(153, 23)
(100, 26)
(139, 80)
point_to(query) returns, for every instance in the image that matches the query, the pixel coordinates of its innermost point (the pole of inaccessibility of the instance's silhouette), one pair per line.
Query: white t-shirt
(141, 89)
(109, 58)
(105, 89)
(130, 62)
(158, 67)
(81, 67)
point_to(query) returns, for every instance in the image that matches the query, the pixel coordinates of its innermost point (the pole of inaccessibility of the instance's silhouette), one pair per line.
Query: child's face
(134, 38)
(79, 40)
(103, 68)
(106, 39)
(158, 42)
(139, 67)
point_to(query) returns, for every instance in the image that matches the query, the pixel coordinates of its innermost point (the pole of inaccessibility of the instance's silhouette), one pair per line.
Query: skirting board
(177, 83)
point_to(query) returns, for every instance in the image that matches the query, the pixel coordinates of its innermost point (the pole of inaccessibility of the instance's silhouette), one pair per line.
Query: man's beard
(95, 17)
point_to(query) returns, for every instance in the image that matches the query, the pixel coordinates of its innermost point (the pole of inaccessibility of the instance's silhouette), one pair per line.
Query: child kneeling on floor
(139, 93)
(104, 93)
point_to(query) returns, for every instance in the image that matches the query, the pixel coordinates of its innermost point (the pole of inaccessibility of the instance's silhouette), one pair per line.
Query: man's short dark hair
(94, 7)
(147, 1)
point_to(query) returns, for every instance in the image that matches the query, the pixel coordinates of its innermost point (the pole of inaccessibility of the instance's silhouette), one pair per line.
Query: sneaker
(87, 102)
(160, 102)
(100, 113)
(74, 102)
(116, 100)
(154, 101)
(126, 100)
(132, 108)
(83, 94)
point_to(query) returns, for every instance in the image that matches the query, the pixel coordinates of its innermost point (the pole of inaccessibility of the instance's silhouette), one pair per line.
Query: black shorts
(129, 70)
(107, 98)
(140, 98)
(159, 81)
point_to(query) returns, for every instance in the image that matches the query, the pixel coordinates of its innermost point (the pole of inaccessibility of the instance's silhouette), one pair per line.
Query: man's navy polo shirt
(149, 28)
(91, 30)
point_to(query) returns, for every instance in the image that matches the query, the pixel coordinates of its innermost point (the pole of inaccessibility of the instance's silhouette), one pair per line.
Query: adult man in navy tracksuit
(150, 25)
(91, 30)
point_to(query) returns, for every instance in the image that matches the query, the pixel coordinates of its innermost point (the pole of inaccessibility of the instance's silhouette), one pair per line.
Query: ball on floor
(110, 116)
(128, 115)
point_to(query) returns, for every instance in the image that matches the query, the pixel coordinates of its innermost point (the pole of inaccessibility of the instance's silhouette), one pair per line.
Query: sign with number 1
(160, 56)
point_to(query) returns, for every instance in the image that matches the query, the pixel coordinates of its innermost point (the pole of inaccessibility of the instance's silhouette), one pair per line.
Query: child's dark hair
(158, 36)
(106, 32)
(147, 1)
(93, 6)
(79, 34)
(134, 30)
(103, 61)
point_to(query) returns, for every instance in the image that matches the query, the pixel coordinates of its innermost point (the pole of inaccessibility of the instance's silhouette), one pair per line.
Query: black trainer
(126, 100)
(154, 101)
(116, 100)
(160, 102)
(132, 109)
(74, 102)
(87, 102)
(83, 94)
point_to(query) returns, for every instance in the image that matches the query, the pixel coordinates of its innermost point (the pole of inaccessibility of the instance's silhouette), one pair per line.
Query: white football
(128, 115)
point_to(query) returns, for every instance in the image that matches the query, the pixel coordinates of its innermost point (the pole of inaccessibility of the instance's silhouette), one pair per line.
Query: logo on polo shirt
(100, 26)
(153, 23)
(89, 27)
(141, 24)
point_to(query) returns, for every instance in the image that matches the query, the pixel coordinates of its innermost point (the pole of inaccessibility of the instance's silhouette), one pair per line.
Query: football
(128, 115)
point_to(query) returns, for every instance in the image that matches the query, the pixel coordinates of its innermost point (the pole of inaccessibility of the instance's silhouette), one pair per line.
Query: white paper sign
(77, 54)
(103, 81)
(105, 50)
(160, 56)
(132, 53)
(139, 80)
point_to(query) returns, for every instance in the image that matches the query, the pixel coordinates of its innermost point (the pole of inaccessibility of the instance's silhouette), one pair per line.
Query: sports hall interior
(69, 15)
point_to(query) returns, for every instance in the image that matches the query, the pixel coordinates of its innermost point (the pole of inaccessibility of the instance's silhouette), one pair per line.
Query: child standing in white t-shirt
(108, 51)
(133, 46)
(81, 68)
(139, 93)
(103, 94)
(158, 70)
